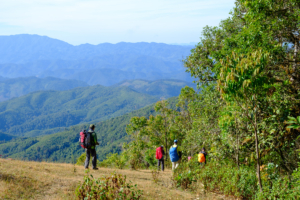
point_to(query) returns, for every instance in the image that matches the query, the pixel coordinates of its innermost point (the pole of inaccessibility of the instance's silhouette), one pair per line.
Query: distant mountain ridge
(26, 48)
(16, 87)
(163, 89)
(41, 56)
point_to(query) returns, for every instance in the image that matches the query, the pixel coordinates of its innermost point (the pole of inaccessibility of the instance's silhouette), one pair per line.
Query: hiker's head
(203, 149)
(162, 146)
(175, 141)
(92, 127)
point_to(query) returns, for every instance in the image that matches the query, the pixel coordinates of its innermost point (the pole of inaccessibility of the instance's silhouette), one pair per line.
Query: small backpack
(201, 158)
(159, 153)
(82, 138)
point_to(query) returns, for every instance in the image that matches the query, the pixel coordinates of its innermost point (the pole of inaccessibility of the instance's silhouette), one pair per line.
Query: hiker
(160, 157)
(92, 150)
(202, 156)
(175, 155)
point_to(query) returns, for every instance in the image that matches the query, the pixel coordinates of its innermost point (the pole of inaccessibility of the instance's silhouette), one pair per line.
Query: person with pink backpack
(160, 157)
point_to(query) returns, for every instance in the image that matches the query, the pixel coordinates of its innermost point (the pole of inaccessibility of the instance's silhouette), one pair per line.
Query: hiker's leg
(173, 165)
(162, 164)
(87, 160)
(158, 164)
(94, 160)
(176, 164)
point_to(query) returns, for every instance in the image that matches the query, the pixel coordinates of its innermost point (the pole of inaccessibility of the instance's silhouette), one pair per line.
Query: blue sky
(99, 21)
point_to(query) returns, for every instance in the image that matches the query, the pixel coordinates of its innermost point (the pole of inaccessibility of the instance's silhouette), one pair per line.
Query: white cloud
(95, 21)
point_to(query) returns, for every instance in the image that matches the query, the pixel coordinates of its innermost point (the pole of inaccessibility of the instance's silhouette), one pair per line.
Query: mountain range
(105, 64)
(50, 90)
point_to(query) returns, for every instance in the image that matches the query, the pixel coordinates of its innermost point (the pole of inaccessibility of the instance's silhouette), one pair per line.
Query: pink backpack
(82, 138)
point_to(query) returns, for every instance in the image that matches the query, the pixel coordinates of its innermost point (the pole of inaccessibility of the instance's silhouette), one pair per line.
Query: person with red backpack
(91, 142)
(160, 157)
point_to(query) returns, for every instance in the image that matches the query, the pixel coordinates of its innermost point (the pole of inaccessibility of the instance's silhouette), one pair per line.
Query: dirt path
(41, 180)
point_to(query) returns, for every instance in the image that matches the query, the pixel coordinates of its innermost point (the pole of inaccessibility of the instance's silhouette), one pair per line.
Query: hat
(175, 141)
(162, 146)
(92, 126)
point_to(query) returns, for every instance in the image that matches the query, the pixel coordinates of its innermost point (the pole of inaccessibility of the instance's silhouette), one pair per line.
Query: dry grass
(41, 180)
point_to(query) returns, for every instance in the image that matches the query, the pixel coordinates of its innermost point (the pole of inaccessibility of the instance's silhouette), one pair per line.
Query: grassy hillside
(63, 146)
(16, 87)
(57, 181)
(52, 109)
(160, 88)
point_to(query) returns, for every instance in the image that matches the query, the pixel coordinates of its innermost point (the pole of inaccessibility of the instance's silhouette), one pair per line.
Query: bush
(106, 188)
(185, 179)
(114, 160)
(218, 176)
(281, 188)
(150, 157)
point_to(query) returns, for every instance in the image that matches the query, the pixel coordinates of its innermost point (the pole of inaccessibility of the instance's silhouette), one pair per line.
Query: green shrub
(106, 188)
(185, 179)
(224, 177)
(282, 188)
(277, 187)
(114, 160)
(150, 157)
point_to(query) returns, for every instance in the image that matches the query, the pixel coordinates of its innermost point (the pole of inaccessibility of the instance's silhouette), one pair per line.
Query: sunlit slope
(164, 88)
(50, 109)
(63, 146)
(10, 88)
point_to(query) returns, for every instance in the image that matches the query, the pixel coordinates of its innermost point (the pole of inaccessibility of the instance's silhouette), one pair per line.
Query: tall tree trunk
(257, 151)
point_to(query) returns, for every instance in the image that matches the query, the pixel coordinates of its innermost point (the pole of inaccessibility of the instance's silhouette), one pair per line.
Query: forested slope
(164, 88)
(63, 146)
(16, 87)
(51, 109)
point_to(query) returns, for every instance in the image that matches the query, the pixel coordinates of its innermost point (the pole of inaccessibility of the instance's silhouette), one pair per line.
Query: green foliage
(150, 157)
(112, 187)
(222, 176)
(294, 122)
(114, 160)
(185, 179)
(81, 159)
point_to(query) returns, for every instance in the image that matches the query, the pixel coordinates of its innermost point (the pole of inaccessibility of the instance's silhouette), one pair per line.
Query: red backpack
(82, 138)
(159, 153)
